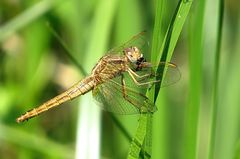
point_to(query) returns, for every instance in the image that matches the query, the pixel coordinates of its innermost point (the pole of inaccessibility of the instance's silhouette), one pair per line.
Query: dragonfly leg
(131, 100)
(137, 75)
(125, 96)
(141, 83)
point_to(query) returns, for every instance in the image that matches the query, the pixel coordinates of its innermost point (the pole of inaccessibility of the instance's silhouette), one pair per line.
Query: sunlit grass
(195, 81)
(31, 57)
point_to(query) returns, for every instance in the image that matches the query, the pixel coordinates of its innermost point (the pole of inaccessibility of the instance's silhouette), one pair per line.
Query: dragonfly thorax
(133, 54)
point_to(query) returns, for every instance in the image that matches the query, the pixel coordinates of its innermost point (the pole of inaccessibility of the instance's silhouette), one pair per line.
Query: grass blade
(169, 43)
(88, 130)
(171, 37)
(164, 54)
(139, 137)
(216, 81)
(196, 74)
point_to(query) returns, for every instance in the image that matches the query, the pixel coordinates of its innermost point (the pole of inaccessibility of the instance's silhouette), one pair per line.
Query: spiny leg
(140, 77)
(143, 83)
(134, 102)
(137, 75)
(125, 95)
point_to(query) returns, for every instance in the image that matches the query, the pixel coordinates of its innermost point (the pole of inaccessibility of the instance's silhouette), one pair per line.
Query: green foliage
(195, 82)
(198, 117)
(170, 40)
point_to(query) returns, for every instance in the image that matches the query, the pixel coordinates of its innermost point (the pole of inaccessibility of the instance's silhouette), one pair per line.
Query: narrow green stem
(216, 81)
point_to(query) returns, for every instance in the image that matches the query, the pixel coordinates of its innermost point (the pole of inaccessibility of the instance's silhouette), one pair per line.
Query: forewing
(139, 40)
(114, 97)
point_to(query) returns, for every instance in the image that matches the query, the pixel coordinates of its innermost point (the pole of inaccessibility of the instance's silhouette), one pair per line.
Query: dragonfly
(118, 81)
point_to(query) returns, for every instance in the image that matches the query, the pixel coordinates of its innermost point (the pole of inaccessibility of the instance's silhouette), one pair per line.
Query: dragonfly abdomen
(78, 89)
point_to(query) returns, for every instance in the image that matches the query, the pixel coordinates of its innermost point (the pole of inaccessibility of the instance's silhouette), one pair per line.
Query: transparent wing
(113, 98)
(129, 98)
(138, 40)
(151, 76)
(171, 76)
(147, 73)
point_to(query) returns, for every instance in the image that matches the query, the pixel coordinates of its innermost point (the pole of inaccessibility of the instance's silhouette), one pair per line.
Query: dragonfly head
(133, 54)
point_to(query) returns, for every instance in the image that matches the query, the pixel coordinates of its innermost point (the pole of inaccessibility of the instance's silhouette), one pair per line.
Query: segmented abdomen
(78, 89)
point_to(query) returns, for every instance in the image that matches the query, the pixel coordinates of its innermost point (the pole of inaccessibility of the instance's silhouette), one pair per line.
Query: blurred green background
(34, 67)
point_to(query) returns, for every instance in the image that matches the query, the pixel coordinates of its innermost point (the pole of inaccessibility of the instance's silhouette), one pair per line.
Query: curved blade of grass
(171, 37)
(164, 54)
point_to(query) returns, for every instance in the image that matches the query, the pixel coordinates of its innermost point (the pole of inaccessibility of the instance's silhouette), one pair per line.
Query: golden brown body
(108, 67)
(115, 94)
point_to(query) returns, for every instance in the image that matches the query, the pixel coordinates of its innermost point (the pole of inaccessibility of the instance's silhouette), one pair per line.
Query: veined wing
(131, 99)
(171, 76)
(146, 74)
(113, 97)
(138, 40)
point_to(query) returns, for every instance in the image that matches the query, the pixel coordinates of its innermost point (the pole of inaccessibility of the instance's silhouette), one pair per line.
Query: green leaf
(164, 54)
(215, 93)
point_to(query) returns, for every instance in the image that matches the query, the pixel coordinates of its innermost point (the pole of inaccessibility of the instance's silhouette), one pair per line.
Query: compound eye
(130, 54)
